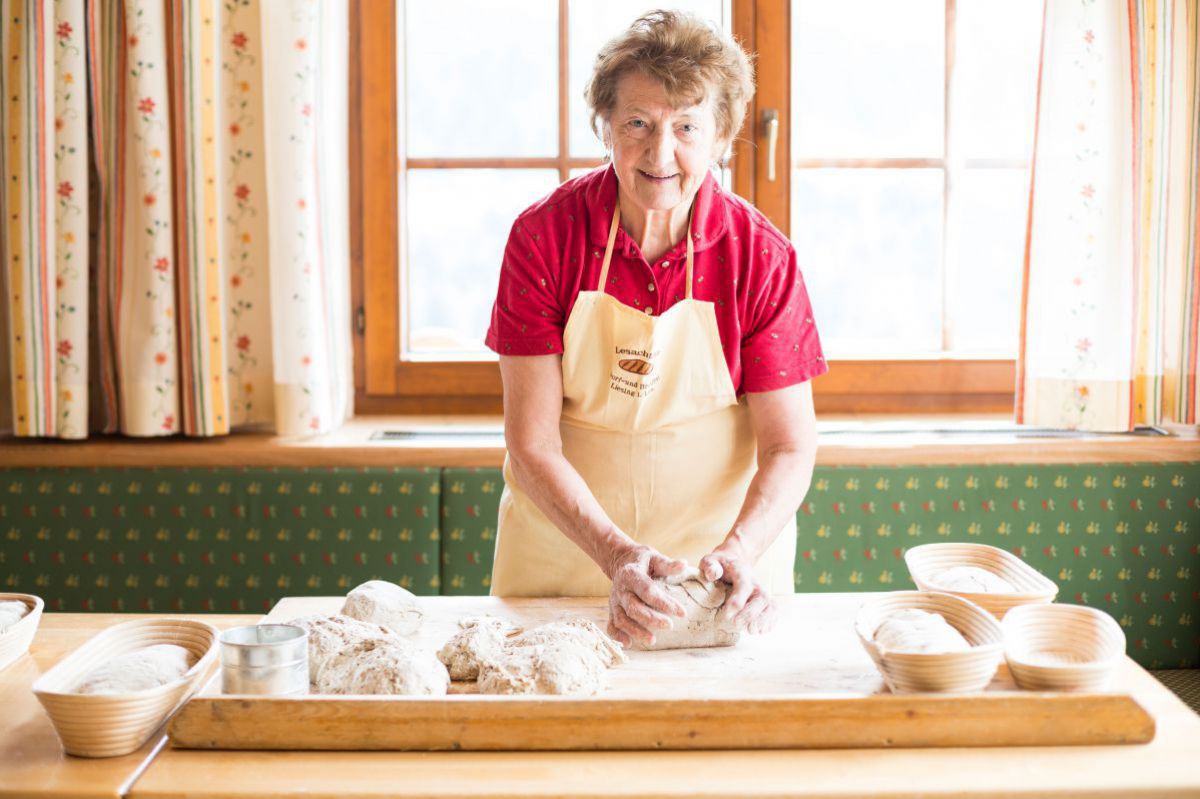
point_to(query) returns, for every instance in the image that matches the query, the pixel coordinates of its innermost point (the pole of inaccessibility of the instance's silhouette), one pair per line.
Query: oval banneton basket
(1062, 647)
(950, 672)
(15, 641)
(107, 725)
(926, 561)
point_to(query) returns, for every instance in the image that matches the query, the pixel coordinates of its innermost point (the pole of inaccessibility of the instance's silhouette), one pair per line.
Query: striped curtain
(1112, 264)
(174, 216)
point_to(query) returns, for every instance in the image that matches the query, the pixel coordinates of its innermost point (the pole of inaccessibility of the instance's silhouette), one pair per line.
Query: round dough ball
(139, 670)
(386, 604)
(917, 631)
(971, 580)
(704, 625)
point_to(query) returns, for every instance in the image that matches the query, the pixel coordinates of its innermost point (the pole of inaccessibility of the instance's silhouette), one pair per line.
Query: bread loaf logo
(636, 366)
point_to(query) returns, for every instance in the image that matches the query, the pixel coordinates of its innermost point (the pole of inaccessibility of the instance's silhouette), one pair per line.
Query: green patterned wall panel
(1121, 537)
(221, 540)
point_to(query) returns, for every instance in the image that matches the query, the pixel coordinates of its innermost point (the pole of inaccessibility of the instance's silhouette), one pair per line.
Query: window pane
(988, 219)
(996, 57)
(481, 78)
(869, 243)
(868, 78)
(591, 23)
(458, 224)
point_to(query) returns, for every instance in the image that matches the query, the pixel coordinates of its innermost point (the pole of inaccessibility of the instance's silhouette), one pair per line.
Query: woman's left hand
(746, 602)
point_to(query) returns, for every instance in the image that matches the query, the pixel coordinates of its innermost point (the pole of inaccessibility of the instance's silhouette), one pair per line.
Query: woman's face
(661, 153)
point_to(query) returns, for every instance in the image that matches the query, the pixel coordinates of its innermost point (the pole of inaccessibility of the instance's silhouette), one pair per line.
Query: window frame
(386, 382)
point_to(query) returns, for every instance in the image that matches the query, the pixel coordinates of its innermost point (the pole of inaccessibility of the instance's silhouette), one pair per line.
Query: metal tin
(264, 659)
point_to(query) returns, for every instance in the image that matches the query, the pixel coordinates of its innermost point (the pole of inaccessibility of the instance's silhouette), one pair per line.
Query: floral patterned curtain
(174, 216)
(1112, 270)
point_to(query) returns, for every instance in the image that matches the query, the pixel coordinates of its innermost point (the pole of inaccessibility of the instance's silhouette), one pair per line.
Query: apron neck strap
(612, 237)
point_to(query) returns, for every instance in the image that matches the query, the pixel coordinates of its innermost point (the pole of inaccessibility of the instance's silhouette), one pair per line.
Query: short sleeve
(527, 317)
(780, 345)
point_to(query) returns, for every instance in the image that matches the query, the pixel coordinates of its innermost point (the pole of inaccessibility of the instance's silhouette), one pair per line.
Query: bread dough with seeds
(913, 630)
(139, 670)
(705, 624)
(348, 656)
(385, 604)
(570, 656)
(971, 580)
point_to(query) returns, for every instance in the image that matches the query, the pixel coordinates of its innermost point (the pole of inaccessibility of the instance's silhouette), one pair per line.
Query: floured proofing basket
(15, 641)
(107, 725)
(1062, 647)
(949, 672)
(927, 561)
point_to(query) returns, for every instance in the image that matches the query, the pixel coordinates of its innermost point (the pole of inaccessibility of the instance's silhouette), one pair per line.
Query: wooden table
(32, 762)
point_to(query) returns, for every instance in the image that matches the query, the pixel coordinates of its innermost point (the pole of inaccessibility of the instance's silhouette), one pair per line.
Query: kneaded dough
(918, 631)
(139, 670)
(477, 640)
(568, 656)
(348, 656)
(972, 580)
(11, 612)
(704, 625)
(385, 604)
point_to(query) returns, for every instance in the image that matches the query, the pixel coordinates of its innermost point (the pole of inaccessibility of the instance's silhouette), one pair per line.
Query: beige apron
(652, 423)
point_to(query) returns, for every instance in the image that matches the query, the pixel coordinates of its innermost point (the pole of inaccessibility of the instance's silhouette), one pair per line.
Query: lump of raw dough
(917, 631)
(971, 580)
(704, 625)
(11, 612)
(348, 656)
(139, 670)
(477, 640)
(386, 604)
(571, 656)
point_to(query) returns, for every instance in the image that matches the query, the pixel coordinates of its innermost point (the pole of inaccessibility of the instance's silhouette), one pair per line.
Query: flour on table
(477, 640)
(11, 613)
(917, 631)
(348, 656)
(139, 670)
(569, 656)
(705, 624)
(971, 580)
(385, 604)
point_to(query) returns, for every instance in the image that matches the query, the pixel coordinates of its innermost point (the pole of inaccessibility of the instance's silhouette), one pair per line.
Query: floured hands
(747, 602)
(636, 605)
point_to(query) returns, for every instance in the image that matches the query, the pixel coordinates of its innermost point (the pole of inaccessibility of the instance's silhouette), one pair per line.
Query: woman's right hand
(637, 606)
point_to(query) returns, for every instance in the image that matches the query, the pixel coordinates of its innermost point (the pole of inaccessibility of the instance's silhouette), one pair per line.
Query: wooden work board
(806, 684)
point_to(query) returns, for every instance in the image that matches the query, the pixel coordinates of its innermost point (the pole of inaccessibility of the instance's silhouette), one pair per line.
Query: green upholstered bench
(1121, 537)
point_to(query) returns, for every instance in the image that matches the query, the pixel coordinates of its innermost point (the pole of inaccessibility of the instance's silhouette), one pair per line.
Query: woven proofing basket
(950, 672)
(15, 641)
(1062, 647)
(926, 561)
(107, 725)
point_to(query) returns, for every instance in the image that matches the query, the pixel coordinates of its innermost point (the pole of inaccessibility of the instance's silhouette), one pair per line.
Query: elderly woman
(656, 343)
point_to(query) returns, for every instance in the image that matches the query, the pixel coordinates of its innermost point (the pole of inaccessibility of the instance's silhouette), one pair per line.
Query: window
(908, 181)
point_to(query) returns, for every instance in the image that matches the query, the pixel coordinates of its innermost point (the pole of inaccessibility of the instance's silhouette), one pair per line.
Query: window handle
(771, 120)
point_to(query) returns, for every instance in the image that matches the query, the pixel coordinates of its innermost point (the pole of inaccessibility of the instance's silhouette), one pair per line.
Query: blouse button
(649, 311)
(665, 264)
(650, 286)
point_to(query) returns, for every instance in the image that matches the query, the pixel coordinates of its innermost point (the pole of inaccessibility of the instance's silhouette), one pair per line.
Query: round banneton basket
(15, 641)
(1062, 647)
(107, 725)
(950, 672)
(925, 562)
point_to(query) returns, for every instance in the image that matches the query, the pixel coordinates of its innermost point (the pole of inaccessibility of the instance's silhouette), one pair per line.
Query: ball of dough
(11, 612)
(478, 640)
(569, 656)
(139, 670)
(348, 656)
(386, 604)
(704, 625)
(917, 631)
(971, 580)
